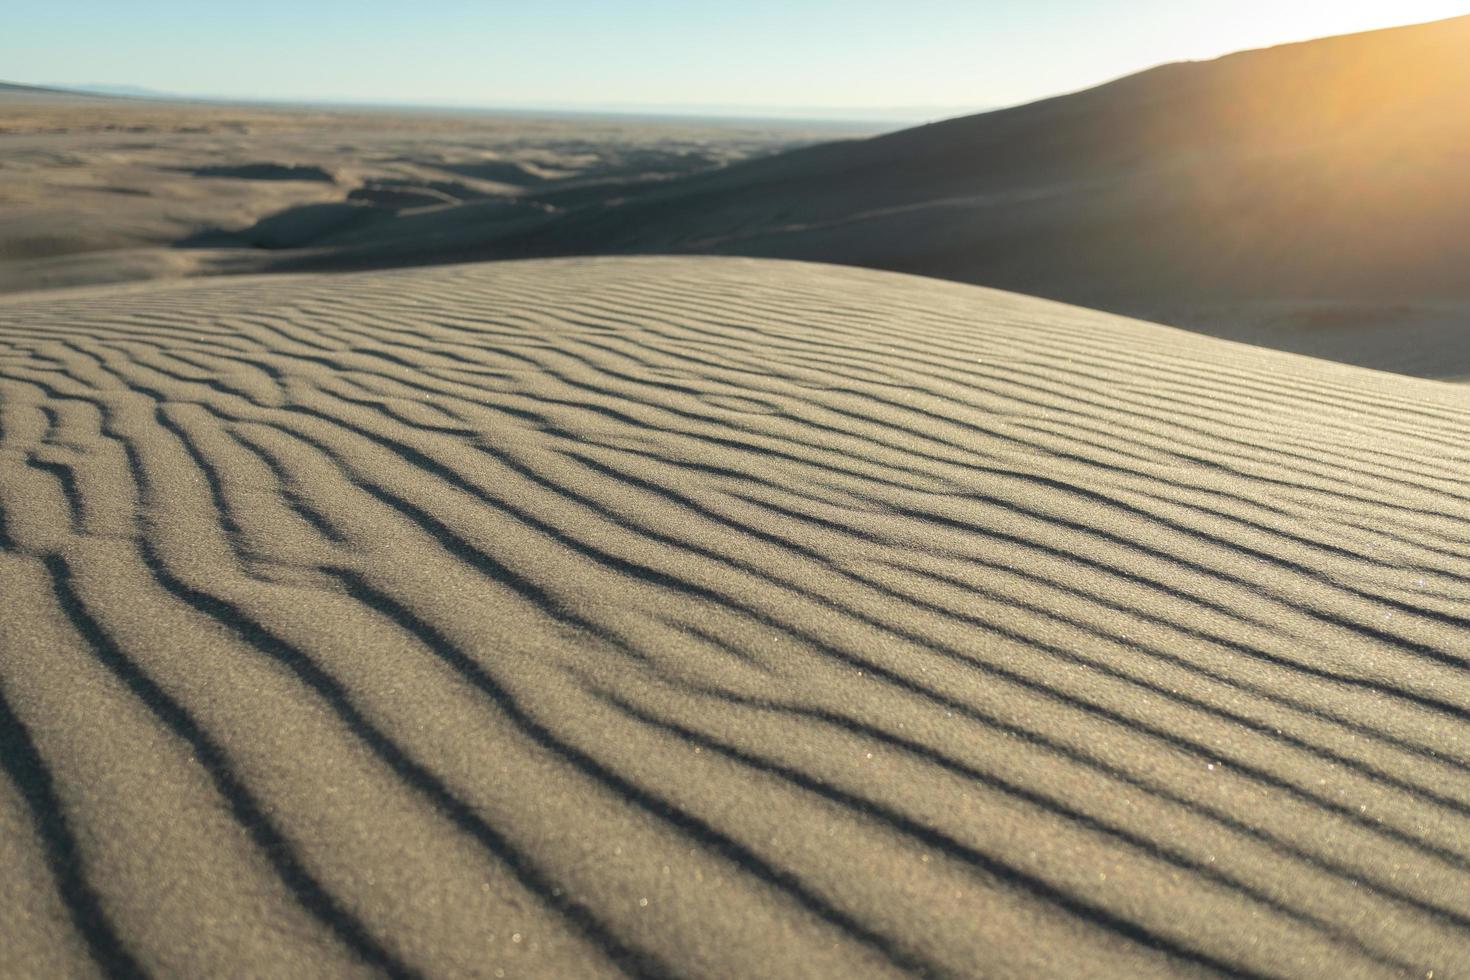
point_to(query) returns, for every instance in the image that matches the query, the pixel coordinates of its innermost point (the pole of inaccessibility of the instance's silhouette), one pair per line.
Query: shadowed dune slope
(713, 617)
(1326, 172)
(1325, 167)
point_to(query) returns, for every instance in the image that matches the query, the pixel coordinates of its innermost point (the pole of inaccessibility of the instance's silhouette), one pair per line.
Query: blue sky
(796, 55)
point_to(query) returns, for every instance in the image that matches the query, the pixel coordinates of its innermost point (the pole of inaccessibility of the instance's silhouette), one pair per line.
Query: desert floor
(106, 190)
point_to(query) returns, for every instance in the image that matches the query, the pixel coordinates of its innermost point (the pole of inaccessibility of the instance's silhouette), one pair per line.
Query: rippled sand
(713, 617)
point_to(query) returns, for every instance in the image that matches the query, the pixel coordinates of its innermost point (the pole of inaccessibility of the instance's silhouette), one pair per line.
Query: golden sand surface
(711, 617)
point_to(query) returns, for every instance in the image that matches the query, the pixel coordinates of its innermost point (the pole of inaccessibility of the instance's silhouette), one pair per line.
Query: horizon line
(751, 111)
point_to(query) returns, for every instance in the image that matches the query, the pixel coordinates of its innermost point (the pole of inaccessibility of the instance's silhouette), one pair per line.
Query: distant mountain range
(125, 91)
(15, 88)
(88, 91)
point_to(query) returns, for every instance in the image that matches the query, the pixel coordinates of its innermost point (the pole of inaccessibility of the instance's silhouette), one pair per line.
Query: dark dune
(265, 171)
(451, 189)
(500, 171)
(713, 617)
(298, 226)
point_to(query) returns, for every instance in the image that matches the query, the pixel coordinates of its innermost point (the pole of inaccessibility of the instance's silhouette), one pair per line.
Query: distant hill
(123, 91)
(15, 88)
(118, 93)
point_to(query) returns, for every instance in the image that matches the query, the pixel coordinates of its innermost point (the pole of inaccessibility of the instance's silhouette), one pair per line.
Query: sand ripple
(715, 616)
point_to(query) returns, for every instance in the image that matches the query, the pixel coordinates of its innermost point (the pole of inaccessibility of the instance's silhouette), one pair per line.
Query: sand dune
(713, 617)
(96, 190)
(1239, 196)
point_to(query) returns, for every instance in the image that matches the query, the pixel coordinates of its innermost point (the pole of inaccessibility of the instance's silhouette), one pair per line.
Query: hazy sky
(797, 54)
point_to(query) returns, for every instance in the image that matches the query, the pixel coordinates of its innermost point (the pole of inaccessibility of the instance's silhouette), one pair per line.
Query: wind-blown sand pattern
(712, 617)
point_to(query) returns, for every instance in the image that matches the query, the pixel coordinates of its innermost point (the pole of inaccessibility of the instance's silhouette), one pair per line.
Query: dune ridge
(713, 616)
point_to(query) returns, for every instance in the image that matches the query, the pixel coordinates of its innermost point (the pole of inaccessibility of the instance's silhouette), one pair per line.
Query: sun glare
(1307, 19)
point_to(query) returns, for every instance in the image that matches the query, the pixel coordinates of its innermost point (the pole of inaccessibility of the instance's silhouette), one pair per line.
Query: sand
(96, 190)
(714, 617)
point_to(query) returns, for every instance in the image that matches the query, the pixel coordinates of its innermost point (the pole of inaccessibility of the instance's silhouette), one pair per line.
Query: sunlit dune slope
(715, 617)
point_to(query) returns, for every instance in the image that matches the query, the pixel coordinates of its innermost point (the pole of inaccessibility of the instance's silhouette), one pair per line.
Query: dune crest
(702, 617)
